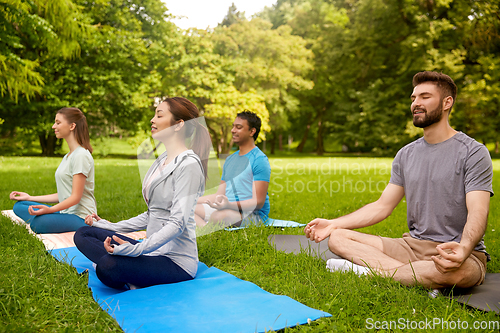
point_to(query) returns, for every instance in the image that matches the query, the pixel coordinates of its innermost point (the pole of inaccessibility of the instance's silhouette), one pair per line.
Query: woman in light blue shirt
(170, 188)
(74, 178)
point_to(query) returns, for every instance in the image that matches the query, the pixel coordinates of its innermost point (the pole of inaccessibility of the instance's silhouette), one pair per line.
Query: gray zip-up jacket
(169, 221)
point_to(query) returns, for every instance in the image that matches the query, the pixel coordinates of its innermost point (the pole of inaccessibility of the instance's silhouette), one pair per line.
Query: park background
(325, 76)
(331, 81)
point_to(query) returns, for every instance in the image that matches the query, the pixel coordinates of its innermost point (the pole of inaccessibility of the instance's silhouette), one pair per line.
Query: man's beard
(430, 117)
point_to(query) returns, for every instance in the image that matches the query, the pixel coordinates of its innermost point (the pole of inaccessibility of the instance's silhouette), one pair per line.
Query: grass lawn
(39, 294)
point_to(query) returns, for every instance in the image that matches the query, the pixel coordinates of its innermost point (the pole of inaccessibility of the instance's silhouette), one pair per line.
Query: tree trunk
(230, 145)
(280, 142)
(320, 147)
(272, 143)
(215, 139)
(302, 143)
(48, 144)
(226, 144)
(496, 147)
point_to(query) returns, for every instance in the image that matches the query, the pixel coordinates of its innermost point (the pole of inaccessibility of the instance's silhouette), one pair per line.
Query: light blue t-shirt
(239, 173)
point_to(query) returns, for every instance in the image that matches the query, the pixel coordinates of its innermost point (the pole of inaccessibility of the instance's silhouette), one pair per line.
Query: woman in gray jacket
(170, 188)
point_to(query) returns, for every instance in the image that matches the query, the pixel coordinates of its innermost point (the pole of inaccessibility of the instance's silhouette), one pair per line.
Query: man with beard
(446, 177)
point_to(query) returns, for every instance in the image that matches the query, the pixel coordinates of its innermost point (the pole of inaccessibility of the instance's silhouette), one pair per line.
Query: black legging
(115, 271)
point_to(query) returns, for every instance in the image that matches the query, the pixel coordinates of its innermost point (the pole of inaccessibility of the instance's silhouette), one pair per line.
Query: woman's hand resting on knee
(19, 196)
(89, 219)
(110, 247)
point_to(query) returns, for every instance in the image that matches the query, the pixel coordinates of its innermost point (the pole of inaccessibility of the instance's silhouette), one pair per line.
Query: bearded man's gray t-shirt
(436, 179)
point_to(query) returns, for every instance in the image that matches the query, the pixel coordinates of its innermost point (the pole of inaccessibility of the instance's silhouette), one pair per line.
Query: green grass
(103, 147)
(37, 293)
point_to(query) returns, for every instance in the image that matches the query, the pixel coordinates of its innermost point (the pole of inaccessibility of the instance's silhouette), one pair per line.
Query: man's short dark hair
(444, 83)
(253, 121)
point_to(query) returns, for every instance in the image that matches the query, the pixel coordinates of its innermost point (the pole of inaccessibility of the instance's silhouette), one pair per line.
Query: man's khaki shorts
(409, 249)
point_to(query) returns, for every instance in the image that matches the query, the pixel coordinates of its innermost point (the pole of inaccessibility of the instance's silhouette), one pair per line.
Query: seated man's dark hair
(253, 121)
(444, 83)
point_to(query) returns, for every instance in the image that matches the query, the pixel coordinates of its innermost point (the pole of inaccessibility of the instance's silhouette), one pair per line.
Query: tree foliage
(232, 16)
(272, 63)
(31, 32)
(247, 65)
(320, 71)
(113, 80)
(366, 53)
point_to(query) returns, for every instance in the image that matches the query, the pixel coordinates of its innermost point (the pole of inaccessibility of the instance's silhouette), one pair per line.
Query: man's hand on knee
(451, 257)
(319, 229)
(220, 202)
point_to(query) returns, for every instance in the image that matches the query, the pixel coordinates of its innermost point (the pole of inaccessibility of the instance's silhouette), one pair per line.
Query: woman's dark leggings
(115, 271)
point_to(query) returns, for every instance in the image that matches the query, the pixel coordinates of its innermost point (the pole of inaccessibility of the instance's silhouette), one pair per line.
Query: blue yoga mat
(283, 223)
(273, 223)
(214, 301)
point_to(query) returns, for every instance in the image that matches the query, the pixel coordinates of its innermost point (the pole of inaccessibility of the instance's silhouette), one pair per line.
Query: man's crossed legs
(209, 219)
(406, 259)
(224, 218)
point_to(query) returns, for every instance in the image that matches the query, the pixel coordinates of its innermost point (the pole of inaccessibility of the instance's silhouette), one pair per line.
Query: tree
(244, 66)
(271, 62)
(30, 32)
(336, 70)
(196, 72)
(322, 26)
(232, 16)
(476, 112)
(115, 78)
(366, 53)
(481, 101)
(205, 77)
(225, 105)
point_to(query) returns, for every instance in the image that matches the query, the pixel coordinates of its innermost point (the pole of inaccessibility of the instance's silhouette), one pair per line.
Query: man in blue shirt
(241, 198)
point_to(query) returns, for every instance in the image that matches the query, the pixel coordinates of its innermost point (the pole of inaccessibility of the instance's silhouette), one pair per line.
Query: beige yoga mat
(59, 240)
